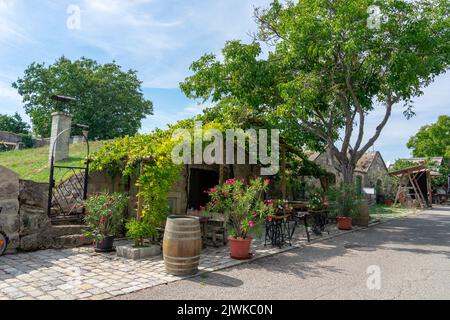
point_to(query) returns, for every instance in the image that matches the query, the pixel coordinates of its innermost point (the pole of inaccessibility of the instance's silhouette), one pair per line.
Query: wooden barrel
(182, 245)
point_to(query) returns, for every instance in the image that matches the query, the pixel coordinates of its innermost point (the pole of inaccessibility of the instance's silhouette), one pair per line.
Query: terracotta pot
(344, 223)
(389, 203)
(240, 248)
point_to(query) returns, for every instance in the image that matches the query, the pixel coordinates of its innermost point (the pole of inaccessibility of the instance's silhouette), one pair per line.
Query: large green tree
(13, 124)
(432, 140)
(327, 69)
(109, 99)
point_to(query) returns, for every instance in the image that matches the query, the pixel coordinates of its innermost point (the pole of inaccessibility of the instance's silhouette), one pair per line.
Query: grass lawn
(33, 164)
(384, 212)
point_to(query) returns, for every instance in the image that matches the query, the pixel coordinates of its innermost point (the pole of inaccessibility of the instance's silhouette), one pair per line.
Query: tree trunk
(348, 172)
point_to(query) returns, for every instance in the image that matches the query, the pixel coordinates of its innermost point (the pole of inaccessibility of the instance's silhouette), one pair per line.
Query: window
(359, 186)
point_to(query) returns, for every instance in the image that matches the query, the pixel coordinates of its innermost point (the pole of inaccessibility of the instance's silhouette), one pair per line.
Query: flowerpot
(344, 223)
(105, 245)
(389, 202)
(240, 248)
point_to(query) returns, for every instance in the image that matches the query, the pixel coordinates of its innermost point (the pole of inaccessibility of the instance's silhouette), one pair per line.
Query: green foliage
(27, 140)
(241, 205)
(316, 199)
(105, 214)
(138, 230)
(124, 156)
(110, 100)
(389, 187)
(13, 124)
(432, 140)
(344, 201)
(326, 70)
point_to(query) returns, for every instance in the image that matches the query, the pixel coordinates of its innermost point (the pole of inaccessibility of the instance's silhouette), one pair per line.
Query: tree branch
(389, 104)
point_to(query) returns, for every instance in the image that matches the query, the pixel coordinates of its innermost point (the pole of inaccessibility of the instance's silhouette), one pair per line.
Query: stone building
(369, 171)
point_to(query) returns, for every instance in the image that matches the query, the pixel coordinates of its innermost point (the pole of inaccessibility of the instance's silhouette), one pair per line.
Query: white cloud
(10, 32)
(7, 92)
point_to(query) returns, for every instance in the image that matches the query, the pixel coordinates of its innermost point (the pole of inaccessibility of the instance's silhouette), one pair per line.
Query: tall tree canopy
(326, 70)
(109, 99)
(432, 140)
(13, 124)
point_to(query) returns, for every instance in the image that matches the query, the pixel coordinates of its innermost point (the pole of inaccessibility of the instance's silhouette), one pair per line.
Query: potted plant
(243, 210)
(344, 204)
(280, 207)
(138, 230)
(316, 206)
(104, 216)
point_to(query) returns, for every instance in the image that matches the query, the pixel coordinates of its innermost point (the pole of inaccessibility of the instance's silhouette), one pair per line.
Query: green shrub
(344, 201)
(138, 230)
(104, 214)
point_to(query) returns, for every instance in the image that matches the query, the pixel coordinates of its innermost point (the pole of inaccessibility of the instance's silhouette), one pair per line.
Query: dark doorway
(199, 182)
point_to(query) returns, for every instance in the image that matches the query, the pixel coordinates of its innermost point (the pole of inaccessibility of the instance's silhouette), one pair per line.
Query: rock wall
(35, 230)
(9, 205)
(24, 216)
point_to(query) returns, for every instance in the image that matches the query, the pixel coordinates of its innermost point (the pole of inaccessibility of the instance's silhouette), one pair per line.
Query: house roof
(312, 155)
(363, 164)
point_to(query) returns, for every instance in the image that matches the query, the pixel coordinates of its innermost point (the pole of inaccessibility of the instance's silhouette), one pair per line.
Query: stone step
(67, 230)
(72, 241)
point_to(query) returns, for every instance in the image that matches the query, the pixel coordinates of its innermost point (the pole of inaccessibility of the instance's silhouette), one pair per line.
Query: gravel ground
(411, 254)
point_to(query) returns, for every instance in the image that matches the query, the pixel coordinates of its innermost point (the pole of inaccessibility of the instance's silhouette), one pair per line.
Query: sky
(159, 39)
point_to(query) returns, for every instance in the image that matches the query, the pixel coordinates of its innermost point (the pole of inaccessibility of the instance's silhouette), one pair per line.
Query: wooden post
(430, 191)
(283, 173)
(140, 199)
(221, 174)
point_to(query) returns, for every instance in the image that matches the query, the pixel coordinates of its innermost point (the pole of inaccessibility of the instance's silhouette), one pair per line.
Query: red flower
(110, 212)
(252, 224)
(230, 181)
(213, 190)
(83, 204)
(88, 195)
(102, 220)
(108, 205)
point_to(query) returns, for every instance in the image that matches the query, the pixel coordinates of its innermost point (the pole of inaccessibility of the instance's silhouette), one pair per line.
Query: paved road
(413, 255)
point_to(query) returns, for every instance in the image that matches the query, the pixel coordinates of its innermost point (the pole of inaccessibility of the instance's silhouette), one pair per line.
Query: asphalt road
(402, 259)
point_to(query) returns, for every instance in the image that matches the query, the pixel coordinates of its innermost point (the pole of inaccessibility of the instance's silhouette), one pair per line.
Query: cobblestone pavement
(83, 274)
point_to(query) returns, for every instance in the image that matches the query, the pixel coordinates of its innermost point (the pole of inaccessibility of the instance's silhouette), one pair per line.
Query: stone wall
(9, 205)
(24, 216)
(35, 226)
(10, 137)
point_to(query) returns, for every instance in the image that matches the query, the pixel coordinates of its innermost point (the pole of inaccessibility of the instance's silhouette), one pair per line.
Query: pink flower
(252, 224)
(267, 182)
(110, 212)
(230, 181)
(102, 220)
(213, 190)
(254, 213)
(83, 204)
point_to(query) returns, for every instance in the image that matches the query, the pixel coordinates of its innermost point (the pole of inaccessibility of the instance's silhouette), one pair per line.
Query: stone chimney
(60, 121)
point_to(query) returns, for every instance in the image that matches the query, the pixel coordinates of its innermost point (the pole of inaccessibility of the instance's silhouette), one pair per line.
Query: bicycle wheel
(3, 243)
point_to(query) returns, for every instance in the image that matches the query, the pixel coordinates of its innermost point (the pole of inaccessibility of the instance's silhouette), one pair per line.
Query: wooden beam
(283, 173)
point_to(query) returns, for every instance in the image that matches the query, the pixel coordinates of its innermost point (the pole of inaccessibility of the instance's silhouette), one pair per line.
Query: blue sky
(160, 39)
